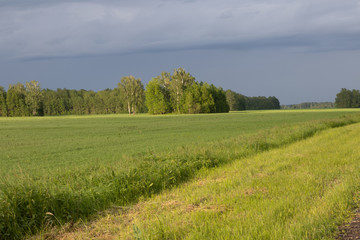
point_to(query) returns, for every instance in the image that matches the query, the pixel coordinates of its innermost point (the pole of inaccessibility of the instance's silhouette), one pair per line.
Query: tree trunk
(129, 109)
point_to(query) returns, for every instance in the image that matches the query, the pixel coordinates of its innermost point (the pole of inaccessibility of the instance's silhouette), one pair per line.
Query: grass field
(42, 145)
(72, 167)
(303, 191)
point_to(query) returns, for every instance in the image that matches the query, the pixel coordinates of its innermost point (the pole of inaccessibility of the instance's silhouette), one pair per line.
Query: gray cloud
(76, 28)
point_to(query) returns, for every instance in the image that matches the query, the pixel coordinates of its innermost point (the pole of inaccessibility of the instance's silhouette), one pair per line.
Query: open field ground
(302, 191)
(39, 146)
(57, 170)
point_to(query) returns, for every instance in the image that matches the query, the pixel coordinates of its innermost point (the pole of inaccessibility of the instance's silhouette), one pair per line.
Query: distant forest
(348, 98)
(239, 102)
(309, 105)
(166, 93)
(344, 99)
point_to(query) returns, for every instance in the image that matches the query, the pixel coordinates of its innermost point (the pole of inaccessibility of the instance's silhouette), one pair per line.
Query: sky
(298, 51)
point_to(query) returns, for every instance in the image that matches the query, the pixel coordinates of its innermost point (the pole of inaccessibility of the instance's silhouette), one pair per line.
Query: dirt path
(352, 230)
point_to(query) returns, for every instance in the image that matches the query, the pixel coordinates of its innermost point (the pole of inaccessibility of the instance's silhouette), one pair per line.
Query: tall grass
(31, 204)
(302, 191)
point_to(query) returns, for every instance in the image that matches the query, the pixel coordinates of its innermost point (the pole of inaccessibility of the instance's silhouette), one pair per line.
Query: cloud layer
(76, 28)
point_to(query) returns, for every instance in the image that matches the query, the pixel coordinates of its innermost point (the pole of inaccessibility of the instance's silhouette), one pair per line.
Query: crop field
(57, 170)
(302, 191)
(39, 146)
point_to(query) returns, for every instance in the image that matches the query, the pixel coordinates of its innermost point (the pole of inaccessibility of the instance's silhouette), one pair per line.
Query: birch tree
(180, 80)
(133, 91)
(33, 97)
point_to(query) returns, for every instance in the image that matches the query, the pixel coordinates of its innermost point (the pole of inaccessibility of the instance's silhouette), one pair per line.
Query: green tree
(219, 96)
(165, 79)
(181, 93)
(49, 102)
(56, 102)
(236, 101)
(15, 99)
(180, 80)
(156, 99)
(3, 106)
(117, 101)
(192, 97)
(133, 91)
(64, 102)
(355, 101)
(261, 102)
(274, 102)
(309, 105)
(103, 104)
(34, 97)
(207, 100)
(343, 99)
(77, 102)
(90, 102)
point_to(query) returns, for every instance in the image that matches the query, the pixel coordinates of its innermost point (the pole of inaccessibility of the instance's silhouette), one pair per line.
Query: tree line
(239, 102)
(178, 92)
(309, 105)
(348, 98)
(167, 93)
(21, 100)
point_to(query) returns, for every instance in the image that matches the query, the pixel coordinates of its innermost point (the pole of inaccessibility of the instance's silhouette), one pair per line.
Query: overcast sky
(295, 50)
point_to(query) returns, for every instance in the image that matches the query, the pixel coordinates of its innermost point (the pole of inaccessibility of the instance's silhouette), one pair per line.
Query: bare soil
(351, 230)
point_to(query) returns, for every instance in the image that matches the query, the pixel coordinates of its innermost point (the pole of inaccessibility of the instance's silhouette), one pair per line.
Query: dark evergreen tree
(236, 101)
(344, 99)
(355, 98)
(309, 105)
(262, 103)
(3, 106)
(275, 103)
(221, 105)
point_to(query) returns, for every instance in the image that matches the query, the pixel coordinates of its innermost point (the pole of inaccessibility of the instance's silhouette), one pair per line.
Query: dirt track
(352, 230)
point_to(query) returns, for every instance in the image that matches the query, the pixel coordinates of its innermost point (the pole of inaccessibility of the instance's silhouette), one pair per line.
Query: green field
(75, 166)
(303, 191)
(41, 145)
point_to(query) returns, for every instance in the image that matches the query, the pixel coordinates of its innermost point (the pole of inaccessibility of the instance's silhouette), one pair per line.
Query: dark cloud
(296, 50)
(75, 28)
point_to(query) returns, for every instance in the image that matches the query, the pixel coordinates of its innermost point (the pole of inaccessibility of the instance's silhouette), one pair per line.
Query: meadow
(57, 170)
(302, 191)
(40, 146)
